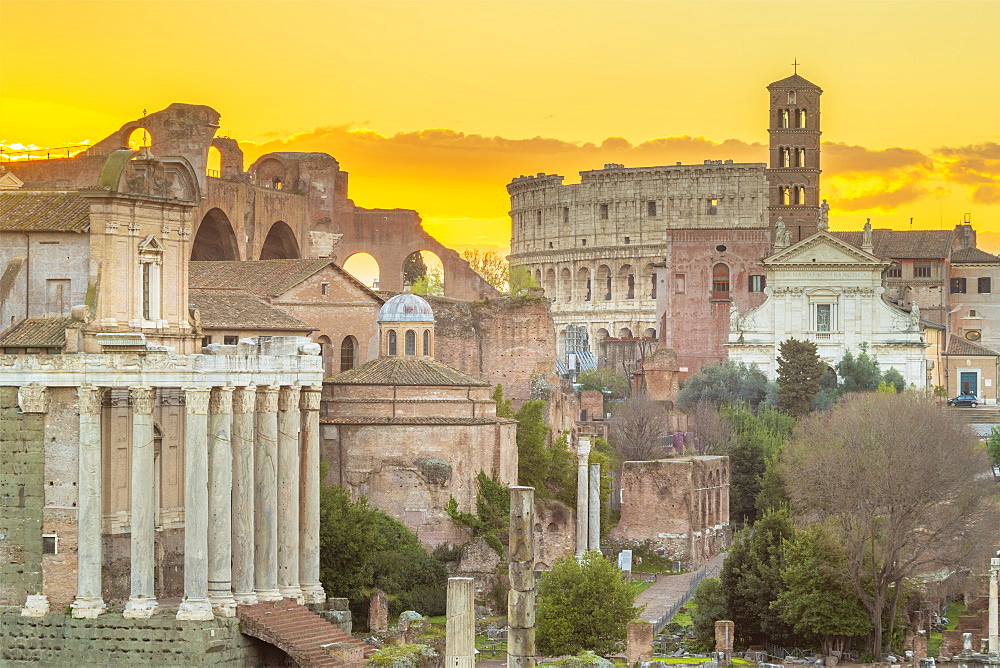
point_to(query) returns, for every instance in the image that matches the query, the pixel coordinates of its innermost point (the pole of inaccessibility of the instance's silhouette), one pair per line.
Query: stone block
(522, 575)
(639, 642)
(521, 609)
(378, 612)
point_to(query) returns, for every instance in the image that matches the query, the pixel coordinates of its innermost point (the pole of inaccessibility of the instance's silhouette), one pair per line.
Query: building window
(921, 270)
(206, 341)
(630, 294)
(411, 343)
(57, 293)
(720, 281)
(230, 340)
(824, 317)
(627, 240)
(651, 208)
(652, 288)
(713, 206)
(427, 343)
(985, 285)
(895, 271)
(538, 217)
(972, 313)
(550, 244)
(679, 284)
(565, 214)
(150, 259)
(50, 543)
(756, 283)
(784, 118)
(583, 242)
(791, 97)
(392, 343)
(604, 212)
(324, 289)
(958, 286)
(348, 350)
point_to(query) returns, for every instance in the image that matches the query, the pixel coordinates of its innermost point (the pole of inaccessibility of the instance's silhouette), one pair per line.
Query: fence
(675, 607)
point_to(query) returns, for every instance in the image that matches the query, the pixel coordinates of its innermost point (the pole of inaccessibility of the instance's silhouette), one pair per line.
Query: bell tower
(793, 177)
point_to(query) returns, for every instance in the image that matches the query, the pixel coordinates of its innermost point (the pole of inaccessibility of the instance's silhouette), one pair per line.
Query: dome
(406, 307)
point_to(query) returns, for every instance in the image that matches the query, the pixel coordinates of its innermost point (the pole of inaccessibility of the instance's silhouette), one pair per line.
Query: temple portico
(250, 442)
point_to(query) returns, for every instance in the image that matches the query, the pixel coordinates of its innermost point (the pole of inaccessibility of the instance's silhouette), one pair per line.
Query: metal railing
(675, 607)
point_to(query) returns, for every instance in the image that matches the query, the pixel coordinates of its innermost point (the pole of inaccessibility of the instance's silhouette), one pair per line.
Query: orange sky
(437, 105)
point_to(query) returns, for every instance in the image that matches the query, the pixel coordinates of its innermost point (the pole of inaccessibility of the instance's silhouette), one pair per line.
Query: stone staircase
(303, 635)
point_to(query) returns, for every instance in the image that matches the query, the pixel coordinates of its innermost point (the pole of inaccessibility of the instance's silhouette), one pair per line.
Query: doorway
(968, 382)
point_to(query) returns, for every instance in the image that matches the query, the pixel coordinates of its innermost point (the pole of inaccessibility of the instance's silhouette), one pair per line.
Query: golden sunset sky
(436, 106)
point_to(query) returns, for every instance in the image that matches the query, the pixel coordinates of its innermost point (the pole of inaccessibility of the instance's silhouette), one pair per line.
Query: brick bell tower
(793, 177)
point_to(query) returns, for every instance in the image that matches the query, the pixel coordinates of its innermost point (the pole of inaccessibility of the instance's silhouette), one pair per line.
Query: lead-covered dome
(406, 307)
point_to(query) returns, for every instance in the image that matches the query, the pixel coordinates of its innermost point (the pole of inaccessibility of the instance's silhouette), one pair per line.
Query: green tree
(492, 516)
(726, 383)
(504, 408)
(533, 457)
(521, 281)
(710, 607)
(754, 439)
(799, 372)
(431, 283)
(772, 494)
(861, 373)
(993, 445)
(894, 379)
(585, 605)
(414, 268)
(602, 453)
(604, 379)
(818, 600)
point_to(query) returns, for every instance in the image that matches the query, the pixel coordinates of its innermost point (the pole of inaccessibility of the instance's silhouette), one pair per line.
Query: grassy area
(640, 585)
(954, 611)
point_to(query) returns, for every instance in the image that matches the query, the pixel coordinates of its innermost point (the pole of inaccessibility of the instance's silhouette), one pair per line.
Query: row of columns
(251, 504)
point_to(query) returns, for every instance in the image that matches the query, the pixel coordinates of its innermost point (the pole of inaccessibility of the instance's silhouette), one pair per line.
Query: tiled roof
(909, 244)
(237, 310)
(794, 80)
(37, 333)
(402, 371)
(269, 278)
(44, 212)
(959, 346)
(974, 256)
(416, 420)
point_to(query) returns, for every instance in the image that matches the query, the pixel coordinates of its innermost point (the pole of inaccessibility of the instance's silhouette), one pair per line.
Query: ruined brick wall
(59, 517)
(555, 533)
(22, 497)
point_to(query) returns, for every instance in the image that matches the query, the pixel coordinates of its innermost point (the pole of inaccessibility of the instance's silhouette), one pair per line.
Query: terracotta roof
(915, 244)
(794, 80)
(974, 256)
(238, 310)
(416, 420)
(44, 212)
(37, 333)
(269, 278)
(402, 371)
(959, 346)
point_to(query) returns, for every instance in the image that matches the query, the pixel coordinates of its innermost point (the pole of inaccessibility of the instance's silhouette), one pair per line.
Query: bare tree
(713, 431)
(906, 482)
(637, 427)
(490, 265)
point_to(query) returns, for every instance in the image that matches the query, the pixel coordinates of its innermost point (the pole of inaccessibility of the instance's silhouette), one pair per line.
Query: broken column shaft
(582, 494)
(521, 599)
(460, 639)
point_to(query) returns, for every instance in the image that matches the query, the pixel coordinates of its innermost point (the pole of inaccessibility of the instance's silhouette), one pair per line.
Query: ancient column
(243, 482)
(142, 601)
(312, 590)
(521, 599)
(582, 494)
(594, 516)
(288, 492)
(195, 605)
(460, 638)
(265, 499)
(220, 502)
(88, 602)
(994, 621)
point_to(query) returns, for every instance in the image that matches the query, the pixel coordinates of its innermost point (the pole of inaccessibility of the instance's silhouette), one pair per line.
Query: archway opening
(423, 271)
(138, 139)
(583, 283)
(326, 351)
(213, 164)
(550, 283)
(650, 333)
(566, 284)
(215, 240)
(625, 333)
(280, 243)
(363, 267)
(348, 353)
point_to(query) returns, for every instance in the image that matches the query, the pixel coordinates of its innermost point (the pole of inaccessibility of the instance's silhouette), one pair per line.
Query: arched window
(348, 351)
(800, 195)
(784, 118)
(427, 343)
(801, 119)
(411, 343)
(392, 343)
(786, 197)
(720, 282)
(785, 158)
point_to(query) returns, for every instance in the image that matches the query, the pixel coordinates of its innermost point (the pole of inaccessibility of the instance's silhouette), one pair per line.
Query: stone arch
(326, 351)
(566, 284)
(626, 281)
(280, 243)
(348, 353)
(602, 334)
(624, 333)
(650, 272)
(426, 263)
(215, 239)
(138, 137)
(272, 173)
(603, 286)
(649, 333)
(213, 163)
(584, 285)
(538, 277)
(363, 267)
(550, 283)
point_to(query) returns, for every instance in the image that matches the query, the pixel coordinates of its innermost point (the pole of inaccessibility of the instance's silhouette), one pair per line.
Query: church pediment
(9, 181)
(822, 248)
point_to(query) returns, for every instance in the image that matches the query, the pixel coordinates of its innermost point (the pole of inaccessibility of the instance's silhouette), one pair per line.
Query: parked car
(964, 400)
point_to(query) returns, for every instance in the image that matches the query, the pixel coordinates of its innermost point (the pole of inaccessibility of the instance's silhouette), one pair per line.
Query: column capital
(267, 398)
(90, 398)
(244, 399)
(221, 400)
(311, 396)
(196, 399)
(142, 399)
(288, 398)
(33, 398)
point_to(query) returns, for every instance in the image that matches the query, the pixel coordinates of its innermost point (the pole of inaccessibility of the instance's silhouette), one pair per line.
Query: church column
(195, 605)
(220, 502)
(88, 602)
(243, 473)
(142, 600)
(288, 492)
(265, 468)
(312, 590)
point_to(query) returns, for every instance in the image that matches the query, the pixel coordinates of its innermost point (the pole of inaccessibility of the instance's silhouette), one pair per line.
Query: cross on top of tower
(795, 66)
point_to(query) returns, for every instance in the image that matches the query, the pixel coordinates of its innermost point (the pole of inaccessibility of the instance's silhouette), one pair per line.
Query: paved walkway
(668, 589)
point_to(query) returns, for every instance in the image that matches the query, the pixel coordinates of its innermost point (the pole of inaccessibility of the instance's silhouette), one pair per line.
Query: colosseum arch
(566, 284)
(584, 287)
(215, 239)
(433, 269)
(550, 283)
(280, 243)
(603, 287)
(626, 281)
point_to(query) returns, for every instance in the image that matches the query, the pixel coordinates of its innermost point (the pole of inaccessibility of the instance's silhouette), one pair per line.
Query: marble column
(88, 602)
(142, 600)
(288, 492)
(312, 590)
(265, 494)
(521, 570)
(195, 605)
(582, 494)
(220, 502)
(994, 620)
(594, 516)
(460, 636)
(244, 401)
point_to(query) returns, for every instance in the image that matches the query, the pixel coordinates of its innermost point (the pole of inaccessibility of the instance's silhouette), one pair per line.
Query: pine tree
(799, 372)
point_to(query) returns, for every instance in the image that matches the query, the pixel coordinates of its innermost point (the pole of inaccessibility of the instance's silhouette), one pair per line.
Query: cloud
(976, 166)
(859, 178)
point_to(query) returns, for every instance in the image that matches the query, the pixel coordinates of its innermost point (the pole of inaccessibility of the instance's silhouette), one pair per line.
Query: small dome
(406, 307)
